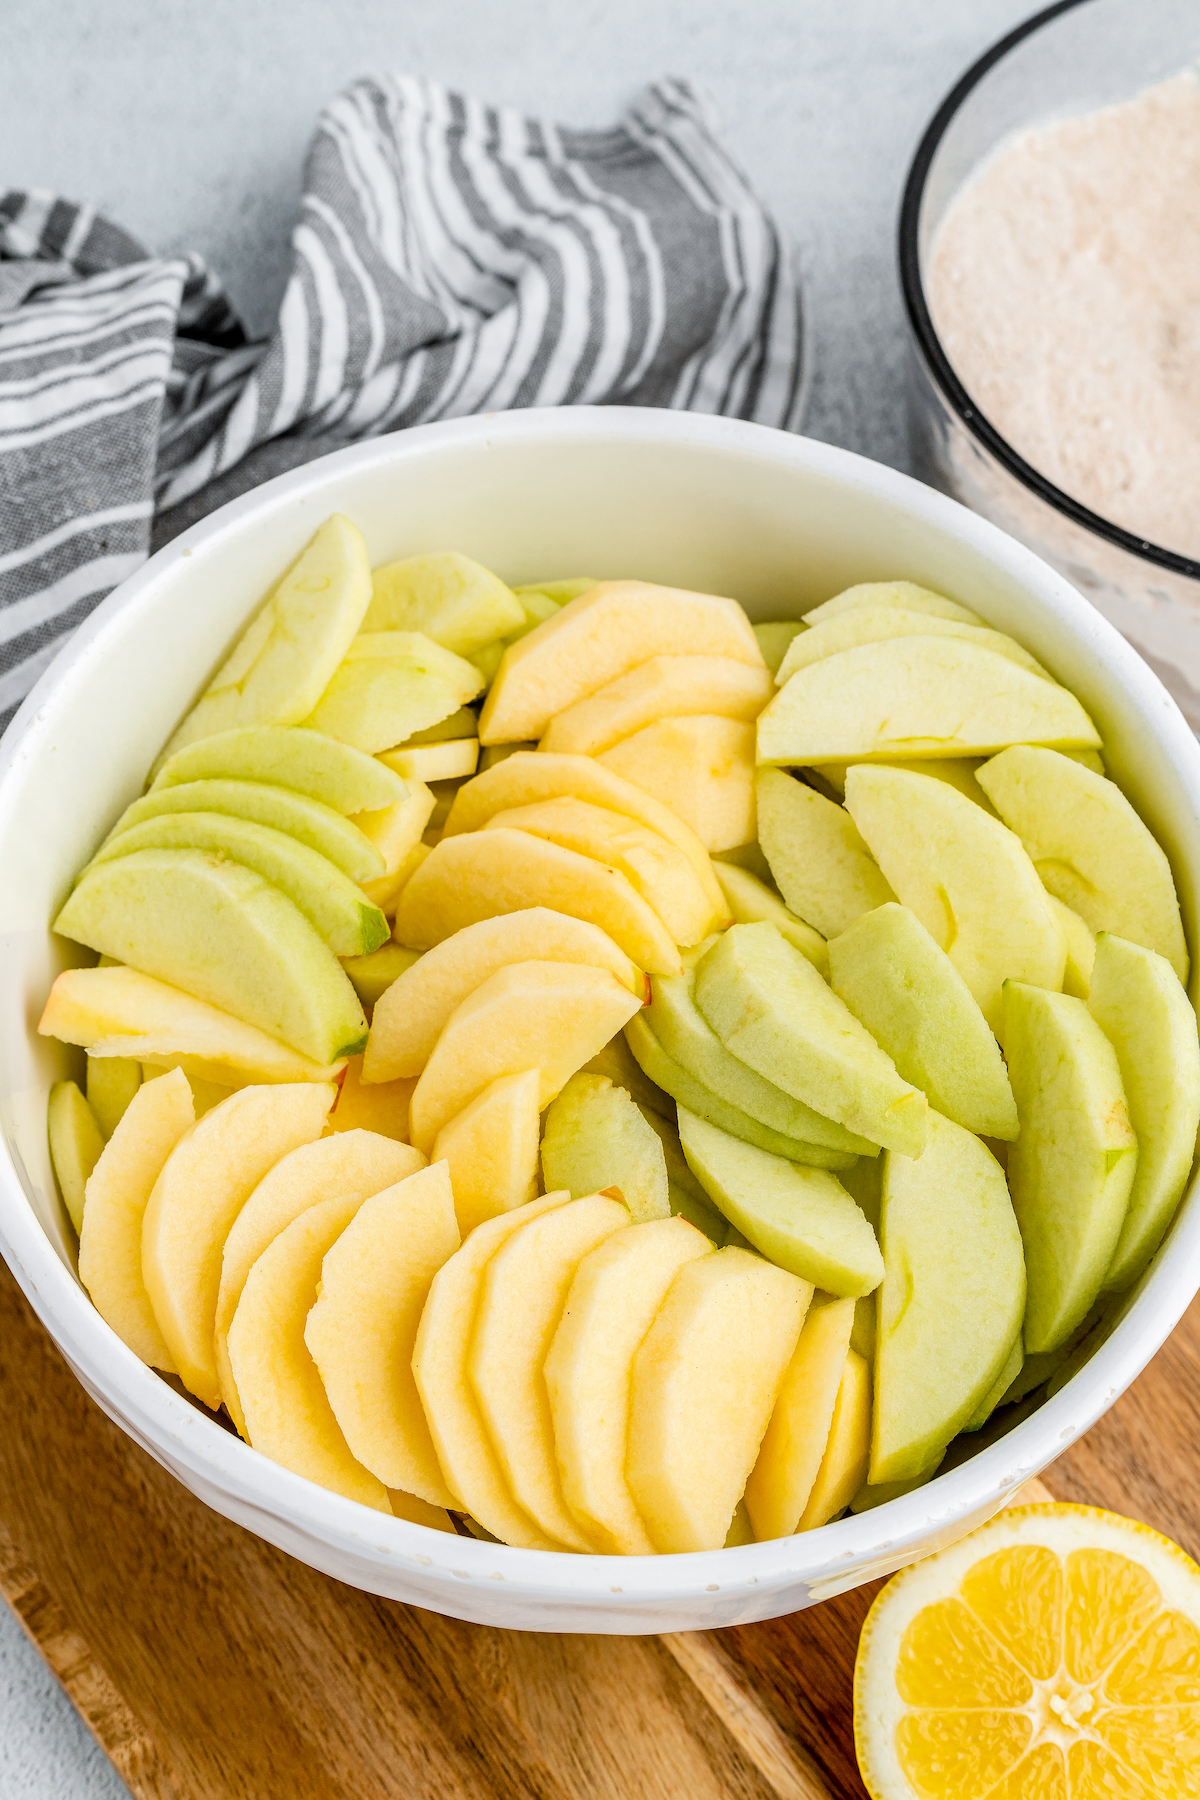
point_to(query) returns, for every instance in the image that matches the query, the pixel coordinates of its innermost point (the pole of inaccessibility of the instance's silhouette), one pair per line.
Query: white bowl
(779, 522)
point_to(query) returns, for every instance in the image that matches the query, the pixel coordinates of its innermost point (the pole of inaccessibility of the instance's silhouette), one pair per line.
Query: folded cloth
(449, 258)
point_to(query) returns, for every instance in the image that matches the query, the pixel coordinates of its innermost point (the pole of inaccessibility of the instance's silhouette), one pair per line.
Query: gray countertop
(188, 125)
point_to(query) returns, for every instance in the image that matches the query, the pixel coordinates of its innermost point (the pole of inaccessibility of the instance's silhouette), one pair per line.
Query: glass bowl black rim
(935, 357)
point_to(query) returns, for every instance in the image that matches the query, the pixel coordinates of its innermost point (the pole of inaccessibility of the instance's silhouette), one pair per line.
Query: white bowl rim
(175, 1432)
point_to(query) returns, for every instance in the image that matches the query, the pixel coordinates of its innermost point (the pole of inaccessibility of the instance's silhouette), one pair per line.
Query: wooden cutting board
(209, 1665)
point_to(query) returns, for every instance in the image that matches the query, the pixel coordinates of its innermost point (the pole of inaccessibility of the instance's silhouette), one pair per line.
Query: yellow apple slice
(597, 638)
(491, 1149)
(224, 934)
(751, 900)
(847, 1452)
(525, 777)
(411, 1015)
(524, 1292)
(456, 602)
(965, 876)
(395, 830)
(460, 1437)
(820, 864)
(382, 1106)
(1089, 847)
(305, 762)
(1081, 950)
(874, 624)
(434, 762)
(654, 868)
(203, 1186)
(793, 1449)
(906, 594)
(285, 658)
(287, 1413)
(917, 696)
(478, 876)
(110, 1243)
(354, 1164)
(112, 1081)
(385, 893)
(374, 1284)
(615, 1294)
(705, 1382)
(543, 1015)
(702, 768)
(76, 1142)
(664, 687)
(390, 684)
(116, 1011)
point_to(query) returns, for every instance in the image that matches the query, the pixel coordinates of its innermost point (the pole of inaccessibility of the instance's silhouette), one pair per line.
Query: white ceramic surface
(779, 522)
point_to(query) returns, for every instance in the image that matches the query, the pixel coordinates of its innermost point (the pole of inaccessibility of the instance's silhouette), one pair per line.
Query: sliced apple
(524, 777)
(464, 1448)
(390, 684)
(1138, 1002)
(1081, 950)
(466, 879)
(121, 1012)
(543, 1015)
(382, 1106)
(307, 762)
(333, 905)
(958, 771)
(353, 1164)
(491, 1149)
(600, 636)
(705, 1382)
(847, 1451)
(875, 624)
(374, 1283)
(952, 1297)
(224, 934)
(793, 1448)
(288, 1415)
(76, 1143)
(1013, 1365)
(279, 667)
(596, 1140)
(1089, 847)
(751, 900)
(664, 687)
(918, 1008)
(770, 1008)
(965, 876)
(820, 864)
(907, 594)
(614, 1295)
(617, 1061)
(203, 1186)
(410, 1016)
(654, 868)
(448, 761)
(395, 831)
(800, 1219)
(524, 1292)
(110, 1242)
(557, 592)
(112, 1081)
(371, 976)
(917, 696)
(456, 602)
(774, 638)
(702, 768)
(311, 822)
(385, 893)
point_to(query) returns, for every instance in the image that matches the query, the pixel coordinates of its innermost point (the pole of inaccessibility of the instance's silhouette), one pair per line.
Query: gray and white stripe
(449, 257)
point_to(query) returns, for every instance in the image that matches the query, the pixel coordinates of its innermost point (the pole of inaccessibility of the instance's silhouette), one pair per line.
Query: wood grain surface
(209, 1664)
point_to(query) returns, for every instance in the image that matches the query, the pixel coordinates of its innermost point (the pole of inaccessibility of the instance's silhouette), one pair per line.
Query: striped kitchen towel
(449, 258)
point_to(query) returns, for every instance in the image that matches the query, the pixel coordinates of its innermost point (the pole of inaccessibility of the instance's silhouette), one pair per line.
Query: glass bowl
(1070, 59)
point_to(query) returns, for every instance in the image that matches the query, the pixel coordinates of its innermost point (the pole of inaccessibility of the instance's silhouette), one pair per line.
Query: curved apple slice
(785, 1473)
(701, 768)
(663, 687)
(76, 1143)
(874, 624)
(491, 1148)
(308, 762)
(309, 821)
(391, 684)
(907, 594)
(848, 1449)
(817, 856)
(288, 1415)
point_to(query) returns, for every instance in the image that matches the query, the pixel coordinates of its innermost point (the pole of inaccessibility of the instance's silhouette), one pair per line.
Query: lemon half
(1054, 1654)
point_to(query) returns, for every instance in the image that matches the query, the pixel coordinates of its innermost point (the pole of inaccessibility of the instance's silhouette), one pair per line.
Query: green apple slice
(447, 597)
(686, 1090)
(751, 900)
(874, 624)
(966, 877)
(308, 762)
(372, 975)
(770, 1008)
(1014, 1362)
(617, 1061)
(391, 684)
(285, 658)
(1073, 1165)
(329, 900)
(917, 696)
(560, 592)
(952, 1297)
(801, 1219)
(1138, 1003)
(225, 934)
(596, 1139)
(76, 1143)
(918, 1008)
(1089, 847)
(338, 839)
(907, 594)
(1081, 950)
(774, 637)
(685, 1034)
(820, 864)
